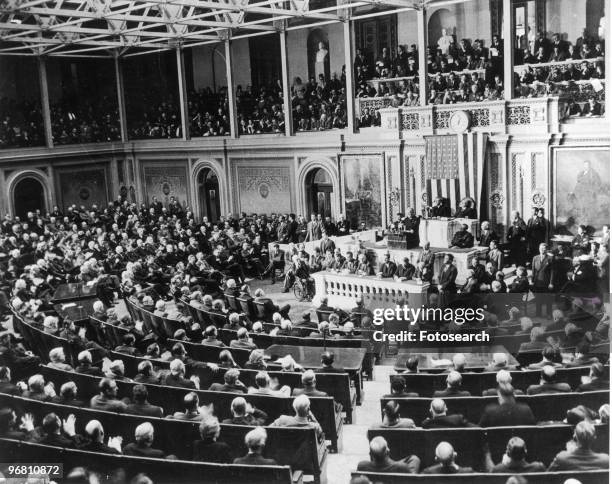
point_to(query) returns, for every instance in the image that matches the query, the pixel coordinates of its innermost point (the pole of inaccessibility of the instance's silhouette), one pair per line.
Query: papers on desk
(68, 305)
(442, 362)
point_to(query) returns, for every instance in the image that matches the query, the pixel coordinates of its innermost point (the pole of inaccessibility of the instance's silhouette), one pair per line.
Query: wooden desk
(73, 292)
(351, 359)
(440, 232)
(76, 311)
(477, 357)
(342, 290)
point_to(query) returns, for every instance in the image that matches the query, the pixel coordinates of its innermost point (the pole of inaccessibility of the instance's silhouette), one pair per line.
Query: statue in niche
(321, 61)
(445, 41)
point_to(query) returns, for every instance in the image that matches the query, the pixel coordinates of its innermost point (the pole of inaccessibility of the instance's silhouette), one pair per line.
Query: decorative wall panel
(166, 179)
(262, 188)
(82, 186)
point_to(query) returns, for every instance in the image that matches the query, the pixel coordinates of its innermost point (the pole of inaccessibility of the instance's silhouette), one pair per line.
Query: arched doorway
(28, 196)
(319, 190)
(315, 37)
(208, 194)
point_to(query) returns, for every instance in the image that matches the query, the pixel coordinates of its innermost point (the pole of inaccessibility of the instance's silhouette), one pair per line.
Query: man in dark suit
(388, 267)
(548, 383)
(463, 239)
(85, 365)
(453, 387)
(327, 364)
(255, 441)
(398, 389)
(107, 398)
(507, 412)
(580, 457)
(231, 384)
(244, 413)
(411, 227)
(446, 279)
(326, 243)
(269, 306)
(380, 462)
(176, 377)
(6, 386)
(405, 271)
(141, 406)
(192, 413)
(142, 447)
(95, 433)
(503, 377)
(486, 235)
(445, 458)
(309, 384)
(440, 419)
(277, 261)
(542, 280)
(515, 459)
(53, 432)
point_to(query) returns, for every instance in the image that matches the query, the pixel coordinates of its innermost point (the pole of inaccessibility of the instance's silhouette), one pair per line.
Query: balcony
(516, 116)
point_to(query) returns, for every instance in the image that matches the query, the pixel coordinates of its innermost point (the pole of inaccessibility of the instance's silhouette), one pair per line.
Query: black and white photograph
(305, 241)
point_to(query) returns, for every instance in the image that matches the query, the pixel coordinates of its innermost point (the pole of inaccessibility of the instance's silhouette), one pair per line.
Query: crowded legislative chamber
(304, 241)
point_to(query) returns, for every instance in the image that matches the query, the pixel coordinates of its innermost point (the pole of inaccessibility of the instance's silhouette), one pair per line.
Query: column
(121, 98)
(231, 94)
(508, 36)
(350, 83)
(44, 101)
(286, 88)
(180, 72)
(422, 43)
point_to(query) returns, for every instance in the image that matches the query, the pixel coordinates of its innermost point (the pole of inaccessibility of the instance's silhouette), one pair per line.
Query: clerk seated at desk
(388, 267)
(462, 239)
(440, 208)
(466, 209)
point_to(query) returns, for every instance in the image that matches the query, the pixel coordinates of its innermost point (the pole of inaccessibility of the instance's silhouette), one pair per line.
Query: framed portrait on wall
(581, 188)
(362, 189)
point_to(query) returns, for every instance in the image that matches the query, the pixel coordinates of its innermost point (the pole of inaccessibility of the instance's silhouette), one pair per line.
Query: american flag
(453, 167)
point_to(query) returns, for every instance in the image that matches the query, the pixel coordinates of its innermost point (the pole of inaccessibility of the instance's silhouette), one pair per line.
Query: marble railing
(342, 290)
(490, 116)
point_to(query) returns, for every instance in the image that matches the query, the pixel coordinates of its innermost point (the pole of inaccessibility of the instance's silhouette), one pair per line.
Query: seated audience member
(209, 449)
(500, 362)
(128, 345)
(231, 383)
(412, 365)
(398, 389)
(507, 412)
(548, 383)
(146, 374)
(86, 366)
(94, 432)
(57, 359)
(536, 340)
(243, 341)
(255, 441)
(502, 377)
(327, 364)
(143, 442)
(37, 390)
(303, 417)
(580, 413)
(244, 413)
(309, 384)
(210, 337)
(193, 411)
(256, 360)
(445, 458)
(226, 360)
(453, 387)
(514, 461)
(56, 432)
(596, 379)
(107, 398)
(463, 239)
(264, 382)
(380, 461)
(440, 419)
(141, 406)
(176, 377)
(579, 455)
(116, 371)
(551, 356)
(392, 417)
(68, 395)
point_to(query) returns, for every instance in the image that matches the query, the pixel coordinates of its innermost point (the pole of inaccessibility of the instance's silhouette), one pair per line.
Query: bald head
(378, 449)
(445, 454)
(438, 407)
(453, 380)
